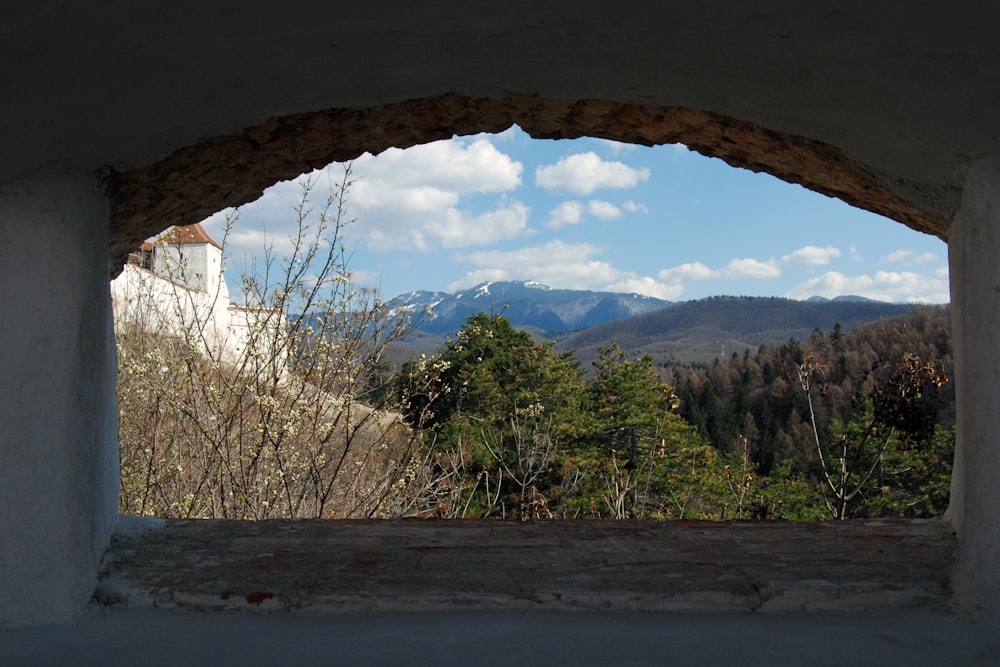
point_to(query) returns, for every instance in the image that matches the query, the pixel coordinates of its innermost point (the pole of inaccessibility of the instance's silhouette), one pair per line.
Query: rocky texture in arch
(196, 181)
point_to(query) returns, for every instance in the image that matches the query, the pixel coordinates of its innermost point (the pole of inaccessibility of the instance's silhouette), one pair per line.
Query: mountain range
(697, 332)
(675, 334)
(526, 304)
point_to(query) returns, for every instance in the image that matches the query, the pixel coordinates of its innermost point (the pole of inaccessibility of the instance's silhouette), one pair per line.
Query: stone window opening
(291, 561)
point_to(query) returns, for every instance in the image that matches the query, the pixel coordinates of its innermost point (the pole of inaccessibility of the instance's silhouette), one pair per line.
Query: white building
(175, 286)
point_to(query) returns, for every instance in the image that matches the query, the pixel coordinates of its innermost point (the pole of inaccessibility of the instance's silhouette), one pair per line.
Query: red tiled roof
(188, 234)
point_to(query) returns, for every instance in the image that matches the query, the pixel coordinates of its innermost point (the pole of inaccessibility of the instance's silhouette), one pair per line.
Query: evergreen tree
(501, 407)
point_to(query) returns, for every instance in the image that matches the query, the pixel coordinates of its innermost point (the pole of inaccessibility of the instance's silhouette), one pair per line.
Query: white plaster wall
(974, 247)
(225, 332)
(197, 265)
(58, 418)
(160, 305)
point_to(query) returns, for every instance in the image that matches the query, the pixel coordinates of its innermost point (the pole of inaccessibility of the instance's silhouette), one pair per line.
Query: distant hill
(527, 304)
(697, 332)
(681, 335)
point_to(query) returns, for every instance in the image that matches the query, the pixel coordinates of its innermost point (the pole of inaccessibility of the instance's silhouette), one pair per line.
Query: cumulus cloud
(566, 213)
(263, 226)
(896, 256)
(572, 212)
(510, 134)
(670, 282)
(584, 173)
(458, 229)
(561, 265)
(673, 279)
(366, 278)
(558, 264)
(892, 286)
(603, 210)
(404, 199)
(473, 278)
(613, 147)
(752, 269)
(692, 270)
(647, 286)
(635, 207)
(906, 255)
(811, 256)
(411, 199)
(454, 166)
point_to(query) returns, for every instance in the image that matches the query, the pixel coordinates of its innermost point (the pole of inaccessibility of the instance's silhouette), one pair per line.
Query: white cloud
(261, 227)
(566, 213)
(906, 255)
(603, 210)
(811, 256)
(478, 276)
(739, 269)
(649, 287)
(571, 212)
(412, 198)
(692, 270)
(635, 207)
(751, 268)
(510, 134)
(457, 166)
(670, 282)
(892, 286)
(896, 256)
(583, 173)
(736, 269)
(458, 229)
(453, 228)
(557, 264)
(614, 147)
(370, 195)
(403, 199)
(370, 279)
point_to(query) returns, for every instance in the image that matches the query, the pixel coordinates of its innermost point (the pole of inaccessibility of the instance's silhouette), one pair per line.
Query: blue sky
(599, 215)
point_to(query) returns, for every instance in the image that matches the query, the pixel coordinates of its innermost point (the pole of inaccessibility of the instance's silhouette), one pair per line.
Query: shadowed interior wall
(59, 471)
(178, 111)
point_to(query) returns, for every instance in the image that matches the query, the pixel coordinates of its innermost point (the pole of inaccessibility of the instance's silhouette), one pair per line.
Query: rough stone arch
(196, 181)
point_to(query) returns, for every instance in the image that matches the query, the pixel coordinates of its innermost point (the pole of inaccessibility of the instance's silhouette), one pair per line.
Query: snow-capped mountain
(525, 304)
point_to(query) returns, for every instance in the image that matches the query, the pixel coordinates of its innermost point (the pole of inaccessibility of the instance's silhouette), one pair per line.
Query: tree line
(842, 379)
(844, 424)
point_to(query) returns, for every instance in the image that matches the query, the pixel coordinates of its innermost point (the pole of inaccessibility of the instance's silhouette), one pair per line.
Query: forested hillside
(758, 398)
(842, 424)
(679, 336)
(688, 334)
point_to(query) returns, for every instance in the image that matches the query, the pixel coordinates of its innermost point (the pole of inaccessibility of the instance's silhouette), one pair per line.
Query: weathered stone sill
(688, 566)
